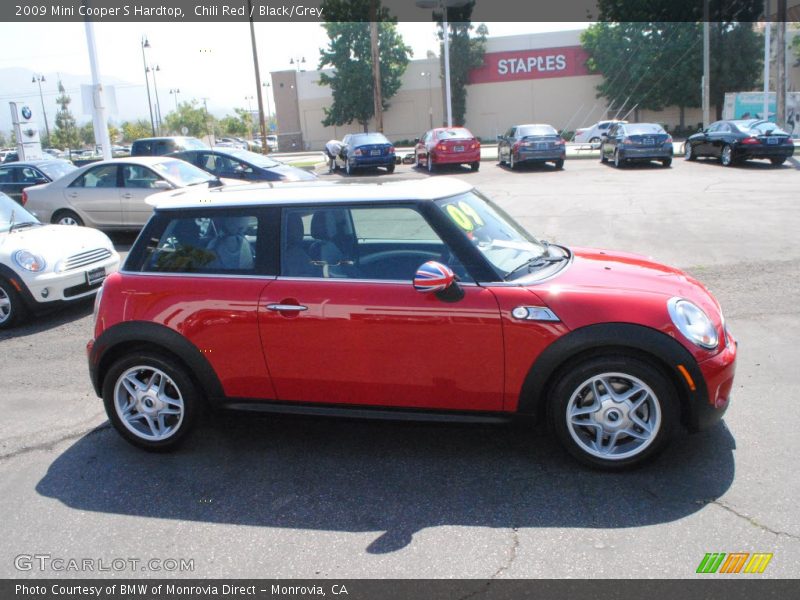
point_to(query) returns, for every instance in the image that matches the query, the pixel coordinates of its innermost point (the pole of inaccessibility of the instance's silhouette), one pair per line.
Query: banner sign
(515, 65)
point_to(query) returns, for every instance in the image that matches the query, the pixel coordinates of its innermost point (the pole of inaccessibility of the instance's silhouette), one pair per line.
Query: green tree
(240, 124)
(87, 134)
(466, 53)
(796, 48)
(134, 130)
(65, 133)
(3, 140)
(349, 52)
(193, 117)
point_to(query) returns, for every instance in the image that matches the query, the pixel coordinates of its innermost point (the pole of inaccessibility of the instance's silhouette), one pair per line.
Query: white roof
(430, 188)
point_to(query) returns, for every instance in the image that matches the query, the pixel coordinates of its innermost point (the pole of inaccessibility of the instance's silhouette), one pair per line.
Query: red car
(447, 146)
(415, 299)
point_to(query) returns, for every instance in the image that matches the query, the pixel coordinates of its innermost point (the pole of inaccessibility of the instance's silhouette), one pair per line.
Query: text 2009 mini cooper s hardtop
(412, 298)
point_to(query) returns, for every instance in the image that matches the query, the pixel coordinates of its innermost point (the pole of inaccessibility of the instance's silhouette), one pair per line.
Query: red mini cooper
(415, 299)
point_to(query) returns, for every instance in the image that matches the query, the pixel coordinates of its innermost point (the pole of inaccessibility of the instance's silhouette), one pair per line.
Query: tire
(144, 372)
(594, 140)
(66, 217)
(500, 160)
(777, 162)
(618, 163)
(511, 163)
(726, 156)
(603, 157)
(688, 151)
(666, 163)
(631, 430)
(390, 168)
(559, 164)
(429, 163)
(12, 308)
(475, 166)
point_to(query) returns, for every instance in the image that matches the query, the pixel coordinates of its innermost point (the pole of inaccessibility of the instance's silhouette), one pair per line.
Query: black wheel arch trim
(16, 281)
(696, 412)
(130, 333)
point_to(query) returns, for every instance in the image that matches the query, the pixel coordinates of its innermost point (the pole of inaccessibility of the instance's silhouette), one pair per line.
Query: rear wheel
(390, 168)
(12, 309)
(429, 161)
(666, 162)
(66, 217)
(347, 168)
(726, 156)
(614, 412)
(559, 163)
(151, 401)
(594, 140)
(475, 166)
(777, 161)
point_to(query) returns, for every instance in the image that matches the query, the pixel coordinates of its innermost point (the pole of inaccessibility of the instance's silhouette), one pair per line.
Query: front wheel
(603, 157)
(429, 162)
(688, 151)
(614, 412)
(618, 162)
(12, 309)
(150, 400)
(511, 162)
(347, 168)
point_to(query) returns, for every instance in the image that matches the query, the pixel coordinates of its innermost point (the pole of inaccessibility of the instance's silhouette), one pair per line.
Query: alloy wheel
(148, 403)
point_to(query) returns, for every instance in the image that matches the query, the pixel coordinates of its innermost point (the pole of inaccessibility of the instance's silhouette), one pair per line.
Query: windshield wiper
(23, 225)
(537, 261)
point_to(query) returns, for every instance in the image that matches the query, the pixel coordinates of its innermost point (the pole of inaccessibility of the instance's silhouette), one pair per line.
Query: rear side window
(230, 242)
(142, 148)
(104, 176)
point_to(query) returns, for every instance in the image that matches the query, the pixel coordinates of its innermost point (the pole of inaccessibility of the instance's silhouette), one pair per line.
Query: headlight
(693, 323)
(29, 261)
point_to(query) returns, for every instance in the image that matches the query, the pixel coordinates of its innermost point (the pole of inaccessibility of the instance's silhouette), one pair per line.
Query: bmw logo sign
(26, 112)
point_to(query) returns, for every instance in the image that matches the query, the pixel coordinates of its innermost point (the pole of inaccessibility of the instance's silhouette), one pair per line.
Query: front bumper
(718, 373)
(52, 288)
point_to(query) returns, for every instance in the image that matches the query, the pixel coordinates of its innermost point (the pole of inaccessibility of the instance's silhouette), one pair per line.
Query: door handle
(73, 195)
(127, 195)
(287, 307)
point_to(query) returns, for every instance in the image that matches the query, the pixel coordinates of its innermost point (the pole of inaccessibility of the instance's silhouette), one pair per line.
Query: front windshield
(500, 239)
(55, 169)
(12, 213)
(191, 143)
(182, 173)
(254, 158)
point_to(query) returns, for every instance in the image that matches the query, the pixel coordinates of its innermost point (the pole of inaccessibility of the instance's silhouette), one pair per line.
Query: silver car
(111, 194)
(594, 133)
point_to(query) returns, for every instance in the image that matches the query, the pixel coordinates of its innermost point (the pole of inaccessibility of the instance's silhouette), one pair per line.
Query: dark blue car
(232, 163)
(361, 150)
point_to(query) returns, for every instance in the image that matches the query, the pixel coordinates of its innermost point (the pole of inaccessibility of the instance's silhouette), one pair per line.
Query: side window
(29, 175)
(215, 244)
(6, 175)
(603, 126)
(143, 148)
(510, 133)
(714, 127)
(104, 176)
(163, 147)
(208, 162)
(376, 243)
(137, 176)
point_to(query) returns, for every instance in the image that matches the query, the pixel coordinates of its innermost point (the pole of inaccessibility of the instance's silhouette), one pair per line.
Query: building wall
(287, 111)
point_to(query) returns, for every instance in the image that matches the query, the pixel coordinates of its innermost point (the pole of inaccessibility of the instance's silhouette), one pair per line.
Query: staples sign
(568, 61)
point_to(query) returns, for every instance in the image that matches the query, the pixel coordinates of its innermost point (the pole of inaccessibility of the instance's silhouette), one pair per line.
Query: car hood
(54, 242)
(608, 286)
(290, 173)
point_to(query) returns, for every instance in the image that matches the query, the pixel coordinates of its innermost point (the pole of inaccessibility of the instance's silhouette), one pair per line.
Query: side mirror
(433, 277)
(160, 184)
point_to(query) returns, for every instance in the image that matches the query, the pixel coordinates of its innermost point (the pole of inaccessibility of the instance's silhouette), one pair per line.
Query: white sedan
(593, 134)
(111, 194)
(44, 266)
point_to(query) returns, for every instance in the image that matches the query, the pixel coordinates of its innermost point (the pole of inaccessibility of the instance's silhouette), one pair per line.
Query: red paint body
(443, 151)
(385, 344)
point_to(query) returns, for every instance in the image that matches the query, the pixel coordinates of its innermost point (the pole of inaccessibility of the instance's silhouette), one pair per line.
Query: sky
(201, 59)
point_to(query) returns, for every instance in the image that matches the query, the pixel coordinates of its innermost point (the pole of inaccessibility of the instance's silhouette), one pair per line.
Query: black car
(736, 141)
(366, 150)
(16, 176)
(232, 163)
(636, 142)
(531, 144)
(159, 146)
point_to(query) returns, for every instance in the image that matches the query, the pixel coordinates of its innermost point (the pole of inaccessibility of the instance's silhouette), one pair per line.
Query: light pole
(297, 62)
(175, 92)
(146, 44)
(153, 70)
(266, 92)
(443, 5)
(249, 104)
(39, 79)
(428, 74)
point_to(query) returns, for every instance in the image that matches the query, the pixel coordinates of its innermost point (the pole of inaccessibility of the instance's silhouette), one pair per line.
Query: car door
(333, 334)
(504, 147)
(8, 182)
(611, 140)
(707, 145)
(138, 183)
(96, 194)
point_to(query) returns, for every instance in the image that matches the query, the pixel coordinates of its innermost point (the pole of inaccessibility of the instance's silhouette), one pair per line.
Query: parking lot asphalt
(306, 498)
